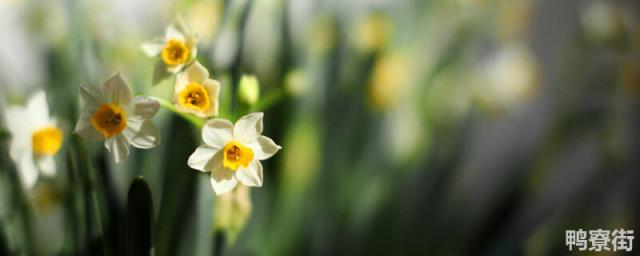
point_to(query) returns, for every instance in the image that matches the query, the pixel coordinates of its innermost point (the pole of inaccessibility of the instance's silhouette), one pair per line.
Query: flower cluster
(231, 153)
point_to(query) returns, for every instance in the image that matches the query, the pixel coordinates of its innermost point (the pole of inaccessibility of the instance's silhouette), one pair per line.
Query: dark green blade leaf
(160, 73)
(139, 219)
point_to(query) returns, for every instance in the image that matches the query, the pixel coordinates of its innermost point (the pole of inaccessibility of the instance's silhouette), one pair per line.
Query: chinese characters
(599, 240)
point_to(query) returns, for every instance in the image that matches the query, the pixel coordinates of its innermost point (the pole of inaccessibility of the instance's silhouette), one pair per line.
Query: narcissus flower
(35, 139)
(177, 49)
(111, 113)
(195, 93)
(232, 153)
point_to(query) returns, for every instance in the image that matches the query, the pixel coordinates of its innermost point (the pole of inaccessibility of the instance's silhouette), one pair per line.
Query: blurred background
(447, 127)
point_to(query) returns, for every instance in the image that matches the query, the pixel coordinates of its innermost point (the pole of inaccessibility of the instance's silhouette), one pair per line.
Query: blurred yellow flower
(177, 49)
(195, 93)
(113, 114)
(322, 34)
(35, 138)
(374, 31)
(232, 153)
(390, 73)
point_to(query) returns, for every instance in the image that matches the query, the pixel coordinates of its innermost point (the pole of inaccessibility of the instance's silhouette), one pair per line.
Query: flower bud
(295, 82)
(232, 210)
(249, 90)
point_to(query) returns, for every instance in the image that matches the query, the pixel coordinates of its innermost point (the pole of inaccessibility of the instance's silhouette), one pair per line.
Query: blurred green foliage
(441, 127)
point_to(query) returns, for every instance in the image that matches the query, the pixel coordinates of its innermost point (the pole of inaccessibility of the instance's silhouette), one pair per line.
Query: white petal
(222, 180)
(248, 128)
(18, 121)
(213, 89)
(20, 143)
(116, 90)
(175, 69)
(182, 80)
(196, 72)
(145, 107)
(192, 43)
(20, 126)
(173, 33)
(217, 133)
(92, 98)
(153, 47)
(118, 147)
(85, 128)
(205, 158)
(38, 109)
(177, 28)
(264, 148)
(47, 165)
(142, 133)
(252, 175)
(28, 170)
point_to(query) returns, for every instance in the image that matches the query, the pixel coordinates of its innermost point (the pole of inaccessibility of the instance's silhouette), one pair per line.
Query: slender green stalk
(197, 122)
(269, 100)
(4, 133)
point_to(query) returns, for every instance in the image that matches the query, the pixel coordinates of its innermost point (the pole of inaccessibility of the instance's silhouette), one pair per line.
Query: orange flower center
(236, 155)
(109, 120)
(46, 141)
(194, 96)
(175, 52)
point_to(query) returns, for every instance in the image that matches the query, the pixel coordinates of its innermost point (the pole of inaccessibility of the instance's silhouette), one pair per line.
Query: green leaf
(139, 219)
(160, 73)
(177, 213)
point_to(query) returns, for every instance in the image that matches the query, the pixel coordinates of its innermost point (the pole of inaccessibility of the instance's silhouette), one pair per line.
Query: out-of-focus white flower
(389, 80)
(177, 49)
(35, 138)
(601, 20)
(232, 153)
(196, 93)
(111, 113)
(512, 76)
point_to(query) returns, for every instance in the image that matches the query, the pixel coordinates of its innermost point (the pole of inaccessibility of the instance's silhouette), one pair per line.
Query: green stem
(197, 122)
(269, 100)
(4, 133)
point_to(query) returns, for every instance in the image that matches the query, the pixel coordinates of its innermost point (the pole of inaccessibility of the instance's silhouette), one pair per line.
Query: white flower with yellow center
(111, 113)
(177, 49)
(232, 153)
(35, 138)
(196, 93)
